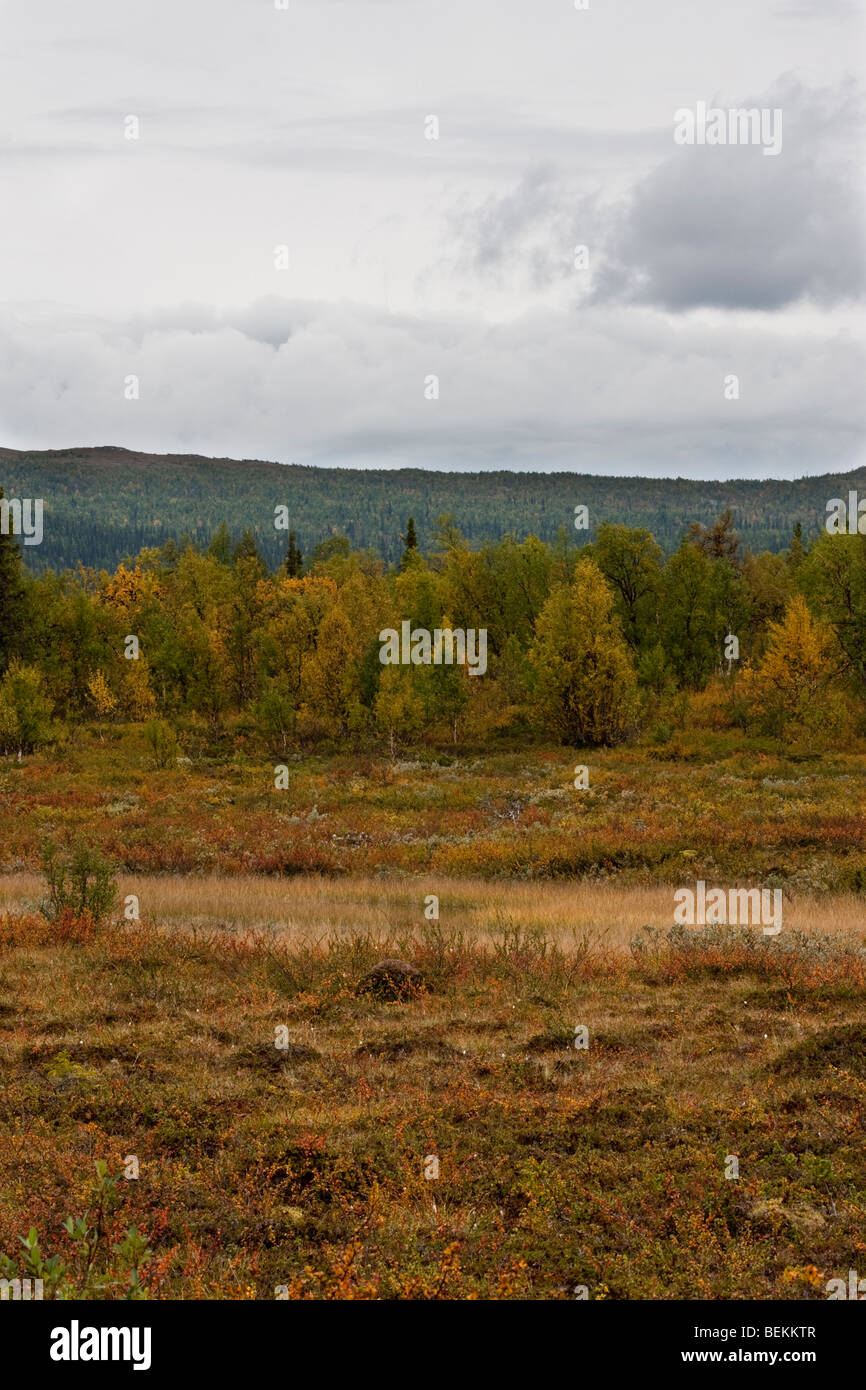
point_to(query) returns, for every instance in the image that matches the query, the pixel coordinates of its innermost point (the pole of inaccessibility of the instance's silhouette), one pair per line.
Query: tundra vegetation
(168, 917)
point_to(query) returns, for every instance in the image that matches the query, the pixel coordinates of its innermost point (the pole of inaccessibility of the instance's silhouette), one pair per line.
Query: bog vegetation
(304, 1170)
(167, 915)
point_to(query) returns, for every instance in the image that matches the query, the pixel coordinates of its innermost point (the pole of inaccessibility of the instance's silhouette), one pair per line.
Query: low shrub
(81, 884)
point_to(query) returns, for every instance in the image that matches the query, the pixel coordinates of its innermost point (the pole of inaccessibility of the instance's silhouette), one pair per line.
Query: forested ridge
(103, 505)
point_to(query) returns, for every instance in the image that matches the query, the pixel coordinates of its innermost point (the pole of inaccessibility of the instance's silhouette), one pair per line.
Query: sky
(225, 230)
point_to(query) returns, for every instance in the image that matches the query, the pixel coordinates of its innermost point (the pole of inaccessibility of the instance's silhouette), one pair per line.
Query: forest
(588, 646)
(103, 505)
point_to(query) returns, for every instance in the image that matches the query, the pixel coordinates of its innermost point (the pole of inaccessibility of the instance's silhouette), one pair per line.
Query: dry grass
(310, 908)
(717, 809)
(304, 1167)
(559, 1168)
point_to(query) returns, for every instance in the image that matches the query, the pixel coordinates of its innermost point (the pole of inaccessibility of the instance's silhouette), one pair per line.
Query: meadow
(701, 805)
(456, 1143)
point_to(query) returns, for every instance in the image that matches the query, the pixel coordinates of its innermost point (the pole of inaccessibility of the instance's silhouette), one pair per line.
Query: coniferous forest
(103, 505)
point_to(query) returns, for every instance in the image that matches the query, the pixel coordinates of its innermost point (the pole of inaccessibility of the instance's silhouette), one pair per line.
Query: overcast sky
(410, 257)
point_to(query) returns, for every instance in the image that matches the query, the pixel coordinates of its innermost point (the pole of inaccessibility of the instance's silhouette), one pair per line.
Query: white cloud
(612, 390)
(411, 257)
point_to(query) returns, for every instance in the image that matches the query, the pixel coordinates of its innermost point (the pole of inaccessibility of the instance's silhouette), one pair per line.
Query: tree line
(593, 645)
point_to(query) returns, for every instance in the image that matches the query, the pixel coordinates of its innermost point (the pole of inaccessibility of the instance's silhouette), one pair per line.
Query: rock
(268, 1055)
(392, 979)
(773, 1215)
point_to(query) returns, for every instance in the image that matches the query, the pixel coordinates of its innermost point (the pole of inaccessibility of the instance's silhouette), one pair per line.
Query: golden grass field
(313, 909)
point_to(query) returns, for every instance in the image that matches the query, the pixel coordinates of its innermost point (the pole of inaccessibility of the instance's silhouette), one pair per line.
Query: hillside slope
(104, 503)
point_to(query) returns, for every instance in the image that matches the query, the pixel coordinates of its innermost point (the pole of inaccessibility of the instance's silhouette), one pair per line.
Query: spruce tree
(294, 558)
(797, 550)
(246, 549)
(410, 541)
(220, 548)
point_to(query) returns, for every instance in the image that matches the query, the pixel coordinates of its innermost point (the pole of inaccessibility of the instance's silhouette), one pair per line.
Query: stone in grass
(392, 980)
(267, 1055)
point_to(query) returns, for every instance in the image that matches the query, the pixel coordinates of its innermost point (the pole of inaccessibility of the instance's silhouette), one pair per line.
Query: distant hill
(102, 504)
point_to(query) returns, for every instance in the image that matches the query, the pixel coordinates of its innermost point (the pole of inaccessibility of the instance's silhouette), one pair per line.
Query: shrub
(25, 710)
(710, 708)
(80, 883)
(163, 743)
(275, 714)
(94, 1268)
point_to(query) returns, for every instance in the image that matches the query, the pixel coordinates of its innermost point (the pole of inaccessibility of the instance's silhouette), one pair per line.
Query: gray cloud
(724, 227)
(727, 227)
(530, 223)
(600, 390)
(305, 129)
(822, 10)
